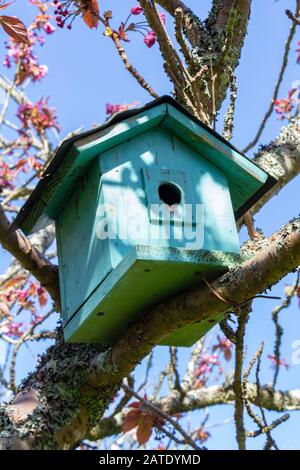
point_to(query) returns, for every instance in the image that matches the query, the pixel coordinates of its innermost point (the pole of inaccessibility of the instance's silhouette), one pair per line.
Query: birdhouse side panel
(84, 259)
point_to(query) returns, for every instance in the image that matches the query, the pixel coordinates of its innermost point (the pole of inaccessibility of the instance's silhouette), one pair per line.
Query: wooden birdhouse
(145, 206)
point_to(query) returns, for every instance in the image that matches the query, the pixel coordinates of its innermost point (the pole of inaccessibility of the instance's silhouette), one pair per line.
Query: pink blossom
(40, 116)
(281, 362)
(206, 363)
(162, 18)
(29, 66)
(150, 39)
(14, 50)
(39, 72)
(116, 108)
(7, 62)
(136, 10)
(49, 28)
(14, 329)
(224, 345)
(22, 294)
(284, 106)
(6, 176)
(41, 39)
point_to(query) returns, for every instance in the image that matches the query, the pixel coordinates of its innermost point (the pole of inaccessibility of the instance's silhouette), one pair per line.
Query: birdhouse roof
(247, 182)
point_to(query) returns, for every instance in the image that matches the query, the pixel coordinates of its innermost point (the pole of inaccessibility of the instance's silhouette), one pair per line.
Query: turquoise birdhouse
(145, 206)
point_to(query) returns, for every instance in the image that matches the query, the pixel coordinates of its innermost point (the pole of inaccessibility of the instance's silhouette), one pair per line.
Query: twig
(234, 304)
(213, 77)
(250, 412)
(188, 380)
(148, 368)
(18, 96)
(132, 70)
(237, 382)
(278, 329)
(278, 83)
(173, 371)
(292, 17)
(159, 385)
(180, 39)
(25, 337)
(229, 118)
(270, 441)
(184, 85)
(263, 427)
(228, 331)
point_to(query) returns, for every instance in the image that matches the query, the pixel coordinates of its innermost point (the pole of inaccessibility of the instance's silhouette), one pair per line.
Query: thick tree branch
(192, 26)
(281, 159)
(227, 28)
(216, 44)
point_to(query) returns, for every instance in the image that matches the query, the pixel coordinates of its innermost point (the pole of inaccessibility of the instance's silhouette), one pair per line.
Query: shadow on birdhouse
(144, 206)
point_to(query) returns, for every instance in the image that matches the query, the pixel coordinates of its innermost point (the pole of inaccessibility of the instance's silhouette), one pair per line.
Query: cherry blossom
(40, 116)
(224, 345)
(150, 39)
(14, 329)
(117, 108)
(206, 362)
(281, 362)
(136, 10)
(284, 106)
(49, 28)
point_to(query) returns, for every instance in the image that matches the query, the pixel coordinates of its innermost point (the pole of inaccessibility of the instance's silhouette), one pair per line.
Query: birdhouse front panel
(144, 207)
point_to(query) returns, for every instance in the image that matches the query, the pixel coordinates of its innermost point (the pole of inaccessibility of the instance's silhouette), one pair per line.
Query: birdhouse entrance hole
(169, 194)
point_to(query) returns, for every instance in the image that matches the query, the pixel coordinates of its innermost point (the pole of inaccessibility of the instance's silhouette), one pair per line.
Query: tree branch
(199, 399)
(219, 39)
(243, 315)
(171, 5)
(30, 258)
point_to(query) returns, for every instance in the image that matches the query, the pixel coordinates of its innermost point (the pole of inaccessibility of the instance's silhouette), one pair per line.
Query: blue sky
(85, 72)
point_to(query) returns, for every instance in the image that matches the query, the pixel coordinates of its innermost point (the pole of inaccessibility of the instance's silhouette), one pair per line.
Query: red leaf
(144, 430)
(4, 309)
(31, 161)
(131, 420)
(13, 282)
(5, 5)
(91, 14)
(227, 354)
(15, 29)
(43, 297)
(135, 404)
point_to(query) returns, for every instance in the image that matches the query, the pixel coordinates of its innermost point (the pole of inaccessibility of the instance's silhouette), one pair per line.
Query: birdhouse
(145, 206)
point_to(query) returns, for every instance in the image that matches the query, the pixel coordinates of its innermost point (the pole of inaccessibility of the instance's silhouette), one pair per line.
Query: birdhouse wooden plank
(145, 206)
